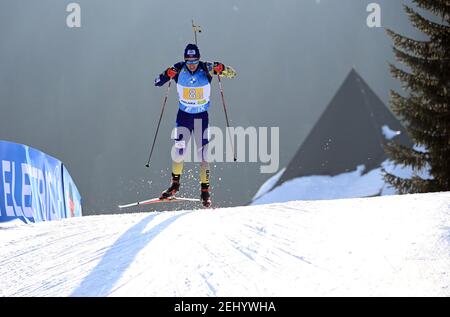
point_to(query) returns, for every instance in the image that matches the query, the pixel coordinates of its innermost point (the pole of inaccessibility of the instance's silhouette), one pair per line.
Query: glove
(171, 72)
(218, 68)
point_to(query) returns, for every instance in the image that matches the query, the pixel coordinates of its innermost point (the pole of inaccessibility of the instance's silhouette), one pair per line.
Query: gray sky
(86, 95)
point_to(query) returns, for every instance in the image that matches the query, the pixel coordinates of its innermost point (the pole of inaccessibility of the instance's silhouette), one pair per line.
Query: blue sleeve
(163, 78)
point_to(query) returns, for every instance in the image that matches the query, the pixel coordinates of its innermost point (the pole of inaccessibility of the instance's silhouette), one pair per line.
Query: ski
(157, 200)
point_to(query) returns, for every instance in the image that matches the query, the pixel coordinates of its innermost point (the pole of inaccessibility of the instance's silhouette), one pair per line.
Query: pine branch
(427, 137)
(425, 49)
(434, 103)
(418, 114)
(432, 67)
(434, 30)
(406, 156)
(405, 186)
(429, 128)
(420, 82)
(440, 8)
(440, 166)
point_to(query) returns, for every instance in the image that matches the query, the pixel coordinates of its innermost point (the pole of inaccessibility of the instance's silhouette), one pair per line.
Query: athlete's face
(192, 64)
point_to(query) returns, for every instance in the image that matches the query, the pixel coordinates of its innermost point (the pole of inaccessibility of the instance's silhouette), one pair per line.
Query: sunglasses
(195, 62)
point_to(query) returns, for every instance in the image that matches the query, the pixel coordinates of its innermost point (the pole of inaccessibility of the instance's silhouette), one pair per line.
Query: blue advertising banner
(72, 197)
(32, 186)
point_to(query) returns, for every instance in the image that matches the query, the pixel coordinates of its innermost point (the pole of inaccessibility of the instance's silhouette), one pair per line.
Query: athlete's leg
(201, 137)
(181, 135)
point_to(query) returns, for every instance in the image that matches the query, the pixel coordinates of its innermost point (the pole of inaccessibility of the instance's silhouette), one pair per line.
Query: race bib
(192, 93)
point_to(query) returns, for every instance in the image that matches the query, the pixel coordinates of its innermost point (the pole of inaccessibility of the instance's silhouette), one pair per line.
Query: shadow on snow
(119, 257)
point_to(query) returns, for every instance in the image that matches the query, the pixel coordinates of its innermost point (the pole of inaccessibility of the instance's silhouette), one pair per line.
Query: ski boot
(173, 189)
(205, 197)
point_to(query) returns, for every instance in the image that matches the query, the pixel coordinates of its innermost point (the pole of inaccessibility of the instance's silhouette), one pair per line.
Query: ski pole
(226, 116)
(159, 122)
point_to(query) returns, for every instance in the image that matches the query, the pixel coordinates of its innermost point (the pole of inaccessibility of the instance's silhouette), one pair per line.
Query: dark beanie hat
(191, 51)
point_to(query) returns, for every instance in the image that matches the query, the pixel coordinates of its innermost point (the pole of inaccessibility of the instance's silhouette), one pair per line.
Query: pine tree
(425, 112)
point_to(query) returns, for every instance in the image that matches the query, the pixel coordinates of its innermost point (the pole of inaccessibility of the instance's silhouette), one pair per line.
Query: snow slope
(268, 184)
(354, 184)
(388, 246)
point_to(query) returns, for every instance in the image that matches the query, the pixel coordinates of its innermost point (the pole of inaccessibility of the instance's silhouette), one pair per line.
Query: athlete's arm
(168, 74)
(218, 68)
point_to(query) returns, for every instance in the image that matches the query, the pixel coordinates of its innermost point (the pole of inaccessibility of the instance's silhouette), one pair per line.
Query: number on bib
(193, 93)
